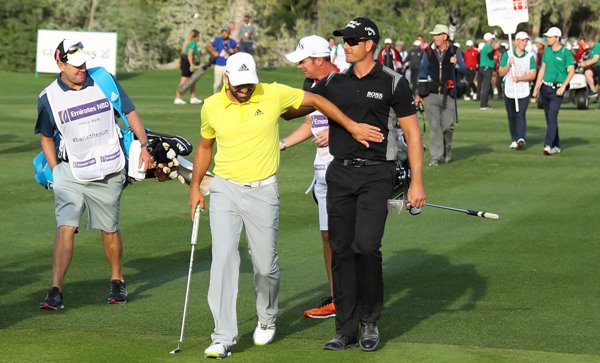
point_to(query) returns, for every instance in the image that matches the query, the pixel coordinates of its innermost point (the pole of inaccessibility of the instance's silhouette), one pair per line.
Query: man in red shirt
(471, 55)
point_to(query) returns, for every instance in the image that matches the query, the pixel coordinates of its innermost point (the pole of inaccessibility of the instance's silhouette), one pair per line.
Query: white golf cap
(469, 43)
(488, 36)
(439, 29)
(417, 43)
(387, 41)
(521, 36)
(71, 51)
(310, 46)
(553, 32)
(241, 69)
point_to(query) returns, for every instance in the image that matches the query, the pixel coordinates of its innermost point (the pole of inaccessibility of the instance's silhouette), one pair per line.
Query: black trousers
(356, 204)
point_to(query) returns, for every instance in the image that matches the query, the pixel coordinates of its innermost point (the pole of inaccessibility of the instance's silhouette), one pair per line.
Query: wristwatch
(283, 144)
(145, 144)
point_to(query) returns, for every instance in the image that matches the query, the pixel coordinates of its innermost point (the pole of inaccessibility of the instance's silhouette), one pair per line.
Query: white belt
(552, 84)
(255, 184)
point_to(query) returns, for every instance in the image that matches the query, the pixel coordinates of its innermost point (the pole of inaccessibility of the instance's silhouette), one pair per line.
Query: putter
(187, 288)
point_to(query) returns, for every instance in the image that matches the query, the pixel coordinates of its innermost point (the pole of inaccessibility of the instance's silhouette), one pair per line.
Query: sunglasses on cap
(354, 41)
(72, 50)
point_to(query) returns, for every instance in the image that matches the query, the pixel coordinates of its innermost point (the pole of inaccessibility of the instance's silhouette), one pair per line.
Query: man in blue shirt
(220, 49)
(88, 170)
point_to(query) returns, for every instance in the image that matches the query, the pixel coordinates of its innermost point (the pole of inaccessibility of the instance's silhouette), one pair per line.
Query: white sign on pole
(103, 46)
(507, 14)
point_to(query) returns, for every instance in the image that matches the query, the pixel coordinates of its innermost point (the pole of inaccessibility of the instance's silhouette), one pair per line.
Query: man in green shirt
(591, 65)
(486, 69)
(556, 71)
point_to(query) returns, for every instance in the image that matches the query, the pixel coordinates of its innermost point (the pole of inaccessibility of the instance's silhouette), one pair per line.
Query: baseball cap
(439, 29)
(521, 35)
(553, 32)
(388, 41)
(71, 51)
(417, 43)
(226, 28)
(488, 36)
(470, 43)
(310, 46)
(359, 28)
(241, 69)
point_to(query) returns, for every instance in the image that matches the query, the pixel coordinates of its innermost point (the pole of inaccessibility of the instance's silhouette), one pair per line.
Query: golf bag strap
(107, 84)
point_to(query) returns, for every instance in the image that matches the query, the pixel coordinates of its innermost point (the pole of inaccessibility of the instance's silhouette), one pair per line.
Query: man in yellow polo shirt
(243, 121)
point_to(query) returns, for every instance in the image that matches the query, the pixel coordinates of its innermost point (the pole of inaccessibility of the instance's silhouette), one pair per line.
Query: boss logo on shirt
(375, 95)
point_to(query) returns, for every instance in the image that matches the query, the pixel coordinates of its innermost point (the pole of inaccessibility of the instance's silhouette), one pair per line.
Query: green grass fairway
(458, 288)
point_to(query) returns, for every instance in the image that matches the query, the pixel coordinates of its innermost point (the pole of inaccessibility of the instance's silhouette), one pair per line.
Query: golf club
(477, 213)
(187, 288)
(398, 205)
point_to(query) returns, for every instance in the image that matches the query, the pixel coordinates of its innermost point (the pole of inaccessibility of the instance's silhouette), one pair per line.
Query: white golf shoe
(217, 350)
(263, 334)
(547, 150)
(179, 101)
(513, 145)
(195, 101)
(521, 144)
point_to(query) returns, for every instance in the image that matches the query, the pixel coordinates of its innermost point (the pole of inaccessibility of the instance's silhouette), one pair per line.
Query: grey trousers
(441, 127)
(257, 209)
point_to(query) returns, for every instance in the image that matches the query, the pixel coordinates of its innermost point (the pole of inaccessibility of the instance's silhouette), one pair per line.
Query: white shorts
(320, 192)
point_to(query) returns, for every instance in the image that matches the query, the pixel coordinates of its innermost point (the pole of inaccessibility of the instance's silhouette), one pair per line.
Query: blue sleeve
(126, 104)
(217, 46)
(45, 120)
(424, 70)
(233, 43)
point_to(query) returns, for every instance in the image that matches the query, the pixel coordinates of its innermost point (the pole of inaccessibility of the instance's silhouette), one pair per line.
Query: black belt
(357, 163)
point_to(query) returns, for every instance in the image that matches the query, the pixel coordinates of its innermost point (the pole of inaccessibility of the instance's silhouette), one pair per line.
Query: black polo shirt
(378, 98)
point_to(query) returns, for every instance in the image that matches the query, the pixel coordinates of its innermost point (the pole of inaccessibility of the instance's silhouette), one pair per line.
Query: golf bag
(195, 76)
(402, 181)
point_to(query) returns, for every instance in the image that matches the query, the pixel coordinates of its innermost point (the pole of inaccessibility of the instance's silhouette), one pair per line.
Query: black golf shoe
(118, 292)
(369, 340)
(53, 300)
(340, 342)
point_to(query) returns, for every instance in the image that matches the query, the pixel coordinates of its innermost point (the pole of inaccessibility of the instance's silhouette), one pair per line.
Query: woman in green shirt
(189, 51)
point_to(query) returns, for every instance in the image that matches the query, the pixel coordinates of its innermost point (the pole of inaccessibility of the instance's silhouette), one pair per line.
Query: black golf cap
(359, 28)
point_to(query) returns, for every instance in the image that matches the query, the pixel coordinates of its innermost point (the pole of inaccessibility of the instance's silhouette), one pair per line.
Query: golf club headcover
(175, 142)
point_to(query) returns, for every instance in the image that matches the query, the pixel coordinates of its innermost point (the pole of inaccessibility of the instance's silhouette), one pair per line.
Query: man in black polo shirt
(360, 180)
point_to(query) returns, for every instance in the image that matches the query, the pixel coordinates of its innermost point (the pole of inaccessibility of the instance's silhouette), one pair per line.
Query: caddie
(88, 168)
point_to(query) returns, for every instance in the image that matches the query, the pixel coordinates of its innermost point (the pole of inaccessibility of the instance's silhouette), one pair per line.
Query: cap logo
(352, 24)
(300, 45)
(369, 31)
(243, 68)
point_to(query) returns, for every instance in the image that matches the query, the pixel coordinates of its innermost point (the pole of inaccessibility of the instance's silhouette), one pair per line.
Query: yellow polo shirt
(247, 134)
